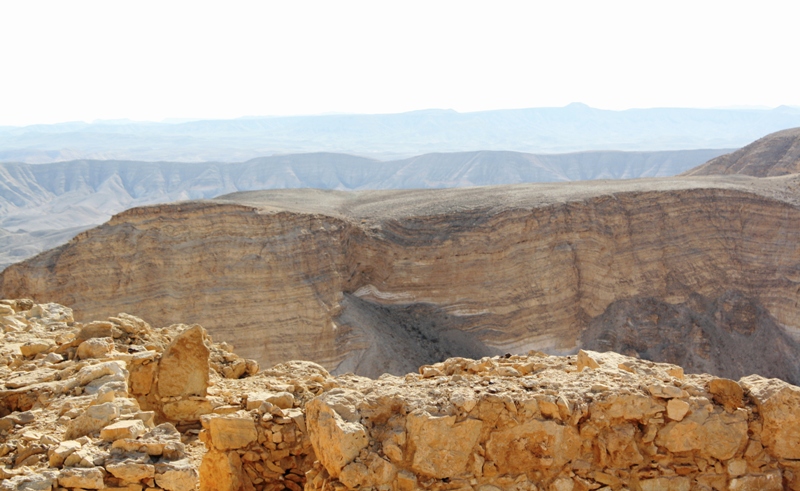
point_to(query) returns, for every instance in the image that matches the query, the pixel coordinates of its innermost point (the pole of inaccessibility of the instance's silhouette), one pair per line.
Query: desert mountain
(573, 128)
(776, 154)
(44, 205)
(385, 281)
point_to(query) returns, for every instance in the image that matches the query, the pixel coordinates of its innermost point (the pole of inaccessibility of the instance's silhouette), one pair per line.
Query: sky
(154, 60)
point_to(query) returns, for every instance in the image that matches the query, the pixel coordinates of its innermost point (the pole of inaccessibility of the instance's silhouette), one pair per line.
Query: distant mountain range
(573, 128)
(43, 205)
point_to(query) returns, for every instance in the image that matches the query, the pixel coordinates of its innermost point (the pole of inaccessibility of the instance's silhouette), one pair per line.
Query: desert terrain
(385, 281)
(599, 335)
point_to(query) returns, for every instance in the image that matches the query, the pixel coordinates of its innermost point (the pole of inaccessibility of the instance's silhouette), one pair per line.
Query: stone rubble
(156, 412)
(96, 405)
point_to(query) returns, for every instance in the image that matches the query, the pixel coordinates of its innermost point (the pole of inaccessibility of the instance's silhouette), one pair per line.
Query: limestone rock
(586, 361)
(717, 436)
(221, 471)
(44, 481)
(183, 369)
(131, 428)
(96, 329)
(727, 392)
(231, 432)
(131, 471)
(282, 399)
(511, 422)
(677, 409)
(176, 476)
(62, 451)
(95, 348)
(777, 402)
(86, 478)
(92, 420)
(186, 409)
(336, 441)
(33, 348)
(440, 446)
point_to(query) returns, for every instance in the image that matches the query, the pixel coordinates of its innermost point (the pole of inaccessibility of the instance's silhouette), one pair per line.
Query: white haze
(151, 60)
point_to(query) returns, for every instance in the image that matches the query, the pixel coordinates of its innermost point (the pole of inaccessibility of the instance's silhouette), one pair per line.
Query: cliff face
(386, 281)
(776, 154)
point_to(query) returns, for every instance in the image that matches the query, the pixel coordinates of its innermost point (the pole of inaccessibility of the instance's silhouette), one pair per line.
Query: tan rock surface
(71, 422)
(776, 154)
(534, 422)
(386, 281)
(183, 369)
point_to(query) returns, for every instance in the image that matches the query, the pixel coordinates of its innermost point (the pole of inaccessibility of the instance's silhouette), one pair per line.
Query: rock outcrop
(73, 417)
(777, 154)
(591, 421)
(378, 282)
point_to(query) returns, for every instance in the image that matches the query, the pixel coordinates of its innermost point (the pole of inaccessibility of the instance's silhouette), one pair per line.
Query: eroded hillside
(44, 205)
(777, 154)
(374, 281)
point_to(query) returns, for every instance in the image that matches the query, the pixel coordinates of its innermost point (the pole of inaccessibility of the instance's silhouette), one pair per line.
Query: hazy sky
(84, 60)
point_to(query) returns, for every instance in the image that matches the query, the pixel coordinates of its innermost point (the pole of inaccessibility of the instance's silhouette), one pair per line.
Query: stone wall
(537, 422)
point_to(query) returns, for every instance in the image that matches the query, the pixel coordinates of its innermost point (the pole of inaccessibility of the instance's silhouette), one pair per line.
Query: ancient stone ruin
(119, 405)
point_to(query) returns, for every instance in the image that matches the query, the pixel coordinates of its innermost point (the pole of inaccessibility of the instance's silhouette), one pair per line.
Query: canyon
(386, 281)
(44, 205)
(634, 335)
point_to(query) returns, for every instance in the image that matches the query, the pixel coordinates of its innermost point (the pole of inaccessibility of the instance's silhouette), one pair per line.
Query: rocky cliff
(93, 406)
(376, 282)
(776, 154)
(44, 205)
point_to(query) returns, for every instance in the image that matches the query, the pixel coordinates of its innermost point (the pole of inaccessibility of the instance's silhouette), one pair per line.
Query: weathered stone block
(183, 369)
(78, 477)
(130, 428)
(230, 432)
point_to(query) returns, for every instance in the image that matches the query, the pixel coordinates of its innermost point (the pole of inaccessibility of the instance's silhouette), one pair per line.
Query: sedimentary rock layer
(776, 154)
(383, 281)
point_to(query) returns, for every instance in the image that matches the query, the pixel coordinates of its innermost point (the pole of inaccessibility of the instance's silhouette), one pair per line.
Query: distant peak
(787, 109)
(577, 105)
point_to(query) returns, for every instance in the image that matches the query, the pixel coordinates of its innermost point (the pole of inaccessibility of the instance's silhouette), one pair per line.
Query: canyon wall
(386, 281)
